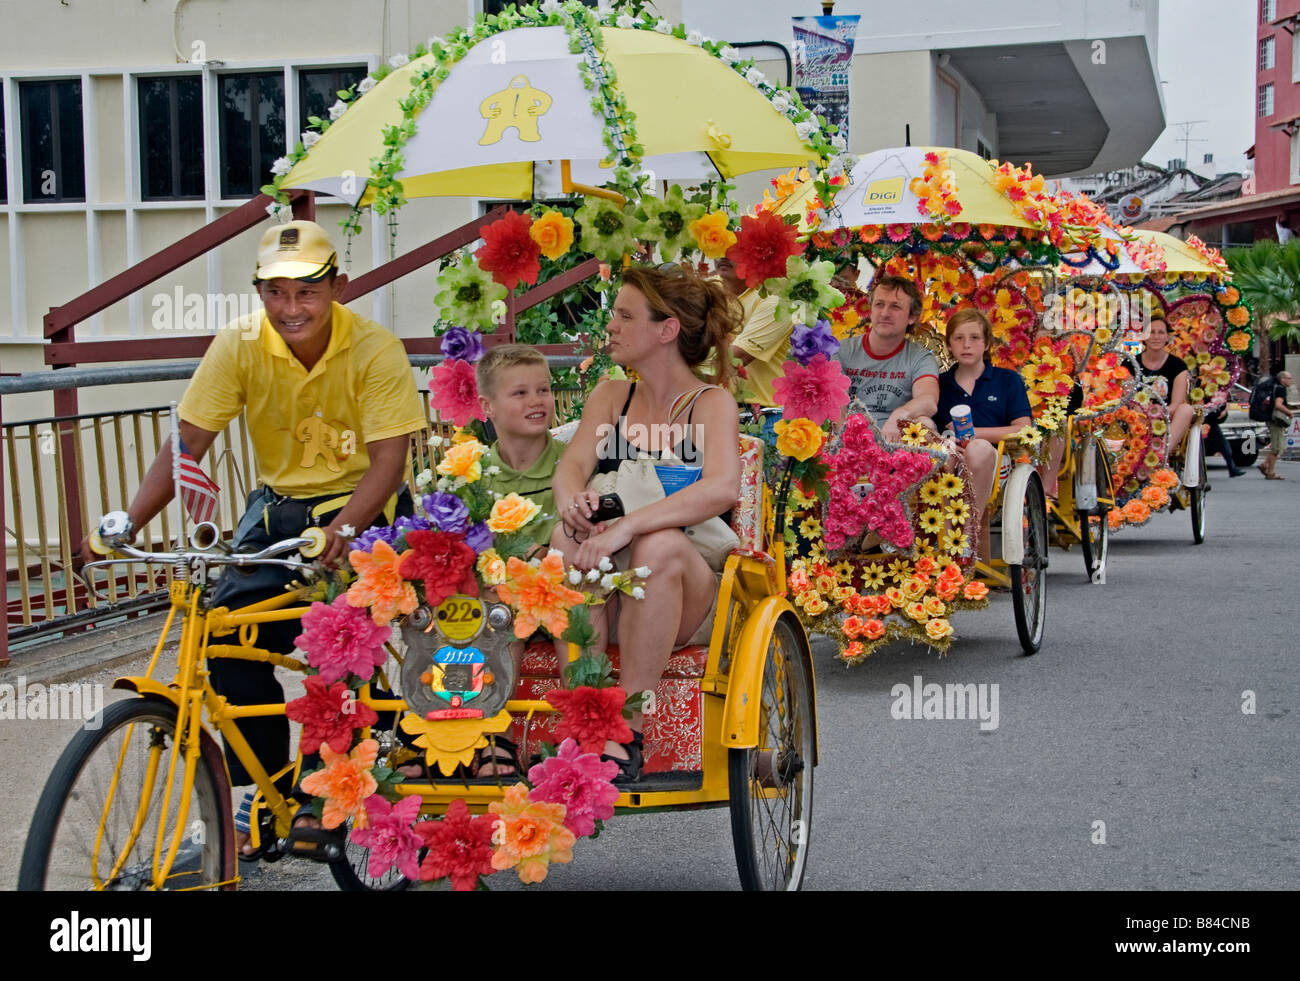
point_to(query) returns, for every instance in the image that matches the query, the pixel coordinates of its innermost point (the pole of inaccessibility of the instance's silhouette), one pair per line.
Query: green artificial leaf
(580, 632)
(589, 671)
(546, 750)
(515, 544)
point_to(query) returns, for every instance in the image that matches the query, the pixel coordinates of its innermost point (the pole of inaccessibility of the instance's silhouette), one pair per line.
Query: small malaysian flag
(196, 490)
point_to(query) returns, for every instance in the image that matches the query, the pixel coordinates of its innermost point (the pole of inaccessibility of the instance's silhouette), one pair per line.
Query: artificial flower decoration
(808, 342)
(453, 392)
(607, 231)
(509, 252)
(818, 392)
(345, 782)
(712, 234)
(538, 595)
(462, 461)
(459, 847)
(591, 716)
(798, 438)
(329, 715)
(806, 290)
(553, 233)
(763, 246)
(341, 639)
(390, 837)
(459, 344)
(529, 835)
(579, 781)
(446, 512)
(512, 512)
(466, 294)
(380, 584)
(667, 222)
(443, 561)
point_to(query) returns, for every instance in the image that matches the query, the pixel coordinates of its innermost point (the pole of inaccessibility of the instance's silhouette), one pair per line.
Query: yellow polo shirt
(309, 429)
(768, 340)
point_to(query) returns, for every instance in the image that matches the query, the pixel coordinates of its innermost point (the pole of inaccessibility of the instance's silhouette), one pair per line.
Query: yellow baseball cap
(295, 250)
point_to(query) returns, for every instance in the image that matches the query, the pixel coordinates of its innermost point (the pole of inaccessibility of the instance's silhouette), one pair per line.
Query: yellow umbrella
(513, 114)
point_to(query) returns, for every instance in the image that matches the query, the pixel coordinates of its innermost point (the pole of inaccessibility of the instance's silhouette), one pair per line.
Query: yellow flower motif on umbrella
(529, 835)
(380, 585)
(538, 595)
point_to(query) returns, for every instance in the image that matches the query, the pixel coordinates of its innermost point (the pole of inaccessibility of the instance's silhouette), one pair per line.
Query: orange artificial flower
(1165, 478)
(938, 629)
(529, 835)
(855, 651)
(1238, 316)
(1238, 340)
(853, 627)
(895, 597)
(712, 234)
(538, 595)
(553, 233)
(924, 566)
(1136, 512)
(345, 783)
(462, 460)
(873, 629)
(934, 606)
(380, 585)
(511, 513)
(799, 438)
(1156, 498)
(947, 589)
(916, 611)
(975, 590)
(1114, 520)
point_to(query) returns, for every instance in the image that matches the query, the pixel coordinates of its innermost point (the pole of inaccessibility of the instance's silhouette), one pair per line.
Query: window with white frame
(319, 88)
(53, 141)
(1267, 11)
(4, 171)
(1266, 54)
(250, 108)
(171, 137)
(1266, 99)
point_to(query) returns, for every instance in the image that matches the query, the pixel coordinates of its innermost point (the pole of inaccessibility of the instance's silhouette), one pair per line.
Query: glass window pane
(155, 138)
(189, 136)
(318, 89)
(53, 166)
(171, 137)
(4, 172)
(252, 131)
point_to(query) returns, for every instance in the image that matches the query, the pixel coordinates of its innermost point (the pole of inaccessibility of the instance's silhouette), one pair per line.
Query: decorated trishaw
(408, 648)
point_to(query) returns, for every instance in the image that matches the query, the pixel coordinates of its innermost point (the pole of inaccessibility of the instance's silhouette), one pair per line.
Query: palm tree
(1268, 276)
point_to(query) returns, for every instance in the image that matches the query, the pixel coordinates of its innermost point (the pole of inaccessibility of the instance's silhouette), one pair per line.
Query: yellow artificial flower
(914, 434)
(553, 233)
(957, 512)
(712, 235)
(799, 438)
(931, 521)
(954, 542)
(951, 484)
(934, 606)
(899, 570)
(824, 584)
(844, 571)
(810, 528)
(511, 513)
(938, 629)
(874, 577)
(462, 460)
(491, 567)
(932, 492)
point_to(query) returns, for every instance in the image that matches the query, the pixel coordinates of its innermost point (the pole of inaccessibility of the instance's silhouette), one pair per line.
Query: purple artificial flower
(808, 342)
(447, 512)
(365, 542)
(404, 524)
(479, 537)
(462, 345)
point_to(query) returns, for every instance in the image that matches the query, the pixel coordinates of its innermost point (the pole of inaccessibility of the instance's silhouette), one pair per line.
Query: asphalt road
(1122, 758)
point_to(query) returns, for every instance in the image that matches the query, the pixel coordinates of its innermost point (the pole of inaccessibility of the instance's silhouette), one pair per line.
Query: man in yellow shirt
(763, 344)
(331, 405)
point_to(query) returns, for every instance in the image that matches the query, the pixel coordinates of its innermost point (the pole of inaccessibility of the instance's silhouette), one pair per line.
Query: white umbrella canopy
(514, 109)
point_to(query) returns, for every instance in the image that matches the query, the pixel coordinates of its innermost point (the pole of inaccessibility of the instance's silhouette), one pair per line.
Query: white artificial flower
(435, 43)
(730, 54)
(805, 129)
(781, 102)
(663, 27)
(626, 21)
(277, 210)
(638, 592)
(604, 565)
(310, 138)
(550, 6)
(607, 582)
(282, 166)
(592, 575)
(347, 531)
(575, 577)
(753, 76)
(493, 470)
(642, 572)
(366, 85)
(398, 60)
(695, 38)
(839, 142)
(338, 109)
(835, 167)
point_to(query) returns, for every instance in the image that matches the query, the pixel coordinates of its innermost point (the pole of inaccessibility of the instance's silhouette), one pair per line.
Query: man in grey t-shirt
(895, 378)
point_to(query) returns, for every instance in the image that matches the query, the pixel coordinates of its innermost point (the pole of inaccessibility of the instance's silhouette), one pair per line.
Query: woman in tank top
(664, 323)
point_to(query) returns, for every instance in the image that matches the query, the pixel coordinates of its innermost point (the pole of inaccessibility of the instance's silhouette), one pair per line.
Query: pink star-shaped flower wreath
(892, 475)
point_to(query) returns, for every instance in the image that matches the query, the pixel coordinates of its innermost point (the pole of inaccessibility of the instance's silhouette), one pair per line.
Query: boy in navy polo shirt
(998, 402)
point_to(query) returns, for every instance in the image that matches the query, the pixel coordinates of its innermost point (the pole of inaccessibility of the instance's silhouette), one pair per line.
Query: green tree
(1268, 275)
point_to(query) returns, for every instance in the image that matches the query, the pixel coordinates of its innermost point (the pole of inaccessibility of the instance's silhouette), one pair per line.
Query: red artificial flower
(460, 847)
(591, 716)
(328, 715)
(443, 561)
(762, 247)
(509, 252)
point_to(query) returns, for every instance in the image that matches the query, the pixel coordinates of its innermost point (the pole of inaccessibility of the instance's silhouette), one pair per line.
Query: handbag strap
(685, 401)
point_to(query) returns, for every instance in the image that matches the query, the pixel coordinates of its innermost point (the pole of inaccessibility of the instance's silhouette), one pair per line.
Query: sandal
(500, 754)
(244, 827)
(629, 770)
(318, 844)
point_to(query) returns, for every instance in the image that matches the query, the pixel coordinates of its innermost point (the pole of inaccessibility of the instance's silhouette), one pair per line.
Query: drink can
(962, 426)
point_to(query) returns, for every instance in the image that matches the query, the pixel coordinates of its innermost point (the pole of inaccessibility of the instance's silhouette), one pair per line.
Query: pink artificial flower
(391, 839)
(341, 639)
(579, 781)
(818, 392)
(891, 474)
(454, 393)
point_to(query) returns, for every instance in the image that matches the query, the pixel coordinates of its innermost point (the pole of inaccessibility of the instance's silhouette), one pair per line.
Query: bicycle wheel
(1196, 500)
(1029, 578)
(1094, 526)
(772, 784)
(99, 817)
(352, 873)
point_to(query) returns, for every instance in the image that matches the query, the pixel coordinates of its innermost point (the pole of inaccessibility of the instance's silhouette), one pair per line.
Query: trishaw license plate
(460, 618)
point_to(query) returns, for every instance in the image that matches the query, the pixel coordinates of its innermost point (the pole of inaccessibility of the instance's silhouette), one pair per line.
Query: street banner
(823, 62)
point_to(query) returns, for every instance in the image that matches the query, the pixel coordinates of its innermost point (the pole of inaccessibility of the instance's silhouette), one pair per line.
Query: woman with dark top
(664, 323)
(1169, 377)
(996, 397)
